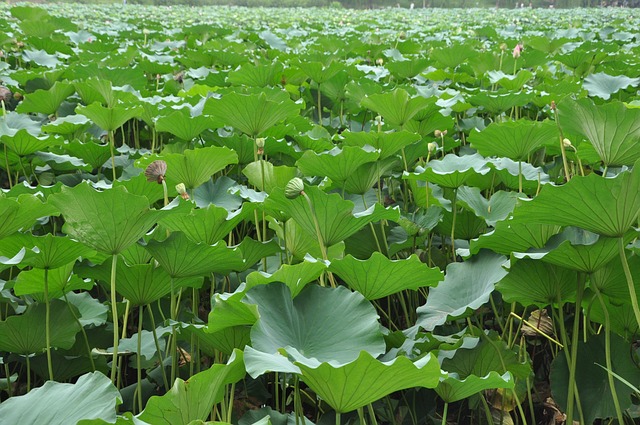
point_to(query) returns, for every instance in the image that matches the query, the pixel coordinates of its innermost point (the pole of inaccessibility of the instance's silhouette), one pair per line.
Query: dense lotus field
(252, 216)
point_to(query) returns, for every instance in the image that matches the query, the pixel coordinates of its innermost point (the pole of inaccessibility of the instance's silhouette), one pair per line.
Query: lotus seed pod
(437, 133)
(444, 132)
(294, 188)
(156, 171)
(182, 191)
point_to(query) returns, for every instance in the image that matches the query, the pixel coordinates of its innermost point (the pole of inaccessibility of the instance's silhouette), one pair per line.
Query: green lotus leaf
(603, 85)
(94, 89)
(300, 243)
(267, 74)
(397, 108)
(250, 114)
(591, 379)
(295, 276)
(193, 399)
(379, 276)
(25, 333)
(21, 212)
(202, 259)
(509, 172)
(335, 215)
(353, 385)
(513, 139)
(314, 324)
(229, 310)
(611, 281)
(42, 58)
(607, 206)
(500, 102)
(50, 252)
(466, 287)
(622, 320)
(107, 221)
(337, 164)
(363, 178)
(67, 125)
(318, 72)
(253, 251)
(510, 82)
(265, 176)
(89, 152)
(93, 396)
(109, 119)
(611, 128)
(91, 311)
(183, 125)
(387, 143)
(60, 281)
(408, 68)
(225, 340)
(12, 122)
(495, 209)
(46, 101)
(577, 249)
(452, 56)
(532, 282)
(453, 389)
(207, 225)
(23, 143)
(508, 237)
(452, 171)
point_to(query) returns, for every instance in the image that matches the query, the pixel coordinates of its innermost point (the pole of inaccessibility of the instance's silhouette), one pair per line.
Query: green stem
(372, 414)
(323, 248)
(629, 277)
(112, 147)
(173, 346)
(453, 223)
(6, 162)
(165, 192)
(319, 105)
(47, 329)
(28, 376)
(607, 348)
(519, 176)
(574, 349)
(157, 343)
(138, 361)
(84, 333)
(231, 395)
(114, 313)
(338, 421)
(444, 413)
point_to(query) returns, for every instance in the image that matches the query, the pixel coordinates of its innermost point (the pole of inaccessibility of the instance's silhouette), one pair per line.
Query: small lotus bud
(155, 171)
(402, 35)
(437, 133)
(433, 146)
(146, 31)
(260, 145)
(503, 46)
(294, 188)
(182, 191)
(567, 143)
(379, 61)
(444, 132)
(553, 106)
(517, 50)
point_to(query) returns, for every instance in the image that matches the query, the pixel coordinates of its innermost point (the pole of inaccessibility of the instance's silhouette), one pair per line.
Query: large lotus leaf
(60, 281)
(396, 108)
(318, 72)
(25, 333)
(612, 282)
(181, 257)
(225, 340)
(379, 276)
(93, 396)
(510, 82)
(265, 176)
(266, 74)
(592, 380)
(387, 143)
(21, 212)
(95, 89)
(91, 311)
(612, 129)
(577, 249)
(500, 102)
(532, 282)
(67, 125)
(300, 243)
(50, 252)
(207, 225)
(607, 206)
(491, 356)
(327, 324)
(181, 124)
(46, 101)
(452, 171)
(253, 251)
(196, 166)
(508, 237)
(229, 310)
(466, 287)
(622, 320)
(251, 114)
(295, 276)
(513, 174)
(603, 85)
(513, 139)
(109, 119)
(193, 399)
(218, 192)
(11, 122)
(453, 389)
(108, 221)
(495, 209)
(365, 380)
(408, 68)
(452, 56)
(24, 143)
(363, 178)
(335, 215)
(89, 152)
(337, 164)
(41, 57)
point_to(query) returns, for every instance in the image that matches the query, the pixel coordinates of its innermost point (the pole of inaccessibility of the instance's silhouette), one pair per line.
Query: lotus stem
(231, 395)
(629, 277)
(47, 329)
(372, 414)
(453, 223)
(114, 313)
(520, 176)
(6, 369)
(338, 419)
(138, 362)
(6, 163)
(574, 349)
(319, 105)
(607, 349)
(157, 344)
(112, 147)
(444, 413)
(84, 333)
(323, 248)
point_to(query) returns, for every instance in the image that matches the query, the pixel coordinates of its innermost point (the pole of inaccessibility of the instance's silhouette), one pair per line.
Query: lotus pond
(227, 215)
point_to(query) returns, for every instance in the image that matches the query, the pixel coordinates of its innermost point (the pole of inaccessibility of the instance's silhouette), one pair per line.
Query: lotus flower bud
(379, 61)
(437, 133)
(146, 31)
(294, 188)
(503, 46)
(155, 171)
(260, 145)
(567, 143)
(402, 35)
(433, 146)
(182, 191)
(517, 50)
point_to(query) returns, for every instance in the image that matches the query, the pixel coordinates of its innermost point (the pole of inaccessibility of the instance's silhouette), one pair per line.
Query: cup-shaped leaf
(607, 206)
(379, 276)
(265, 176)
(328, 324)
(60, 281)
(24, 143)
(387, 143)
(465, 288)
(181, 124)
(611, 128)
(365, 380)
(508, 237)
(397, 107)
(513, 139)
(109, 118)
(603, 85)
(295, 276)
(93, 396)
(50, 252)
(107, 221)
(193, 400)
(337, 164)
(452, 171)
(21, 212)
(46, 101)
